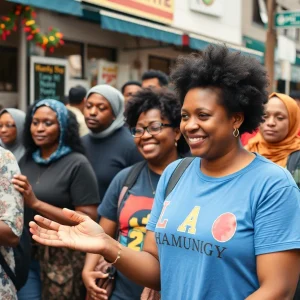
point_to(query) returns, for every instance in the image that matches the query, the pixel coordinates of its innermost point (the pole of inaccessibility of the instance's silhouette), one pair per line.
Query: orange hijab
(279, 152)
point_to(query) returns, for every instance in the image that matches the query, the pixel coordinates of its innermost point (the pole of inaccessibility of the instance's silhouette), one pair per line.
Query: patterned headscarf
(62, 117)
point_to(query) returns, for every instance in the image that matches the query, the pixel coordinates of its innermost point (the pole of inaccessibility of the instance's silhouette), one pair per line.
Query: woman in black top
(56, 174)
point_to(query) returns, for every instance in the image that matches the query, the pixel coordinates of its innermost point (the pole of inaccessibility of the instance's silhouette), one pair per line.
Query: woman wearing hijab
(55, 174)
(11, 131)
(109, 145)
(278, 134)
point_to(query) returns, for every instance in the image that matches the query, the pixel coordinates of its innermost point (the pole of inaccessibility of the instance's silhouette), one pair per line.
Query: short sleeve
(11, 201)
(109, 206)
(160, 196)
(84, 188)
(277, 221)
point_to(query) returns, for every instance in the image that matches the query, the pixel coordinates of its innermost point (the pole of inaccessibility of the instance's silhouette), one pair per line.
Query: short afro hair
(161, 76)
(131, 82)
(71, 137)
(241, 79)
(164, 100)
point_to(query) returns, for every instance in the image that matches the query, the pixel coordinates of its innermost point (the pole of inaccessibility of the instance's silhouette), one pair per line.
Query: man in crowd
(154, 79)
(76, 106)
(129, 88)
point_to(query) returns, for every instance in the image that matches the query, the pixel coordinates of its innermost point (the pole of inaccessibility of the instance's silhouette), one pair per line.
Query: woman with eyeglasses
(154, 118)
(11, 131)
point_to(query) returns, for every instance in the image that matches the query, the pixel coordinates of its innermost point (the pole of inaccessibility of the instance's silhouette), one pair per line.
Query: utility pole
(270, 44)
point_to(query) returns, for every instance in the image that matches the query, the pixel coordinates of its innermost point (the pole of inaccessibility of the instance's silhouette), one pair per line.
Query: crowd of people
(189, 192)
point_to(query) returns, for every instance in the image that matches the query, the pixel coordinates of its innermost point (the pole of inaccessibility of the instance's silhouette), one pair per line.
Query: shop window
(8, 69)
(73, 52)
(97, 52)
(161, 64)
(258, 11)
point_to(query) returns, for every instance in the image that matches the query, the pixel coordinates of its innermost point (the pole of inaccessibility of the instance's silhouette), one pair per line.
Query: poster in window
(103, 72)
(48, 78)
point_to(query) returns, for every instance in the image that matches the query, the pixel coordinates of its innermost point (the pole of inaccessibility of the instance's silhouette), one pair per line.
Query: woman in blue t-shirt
(230, 227)
(154, 118)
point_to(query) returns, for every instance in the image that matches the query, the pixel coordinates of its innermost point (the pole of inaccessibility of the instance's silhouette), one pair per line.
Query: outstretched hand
(87, 236)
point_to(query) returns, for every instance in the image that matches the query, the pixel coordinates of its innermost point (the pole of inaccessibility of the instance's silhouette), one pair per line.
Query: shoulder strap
(8, 270)
(131, 179)
(177, 173)
(293, 161)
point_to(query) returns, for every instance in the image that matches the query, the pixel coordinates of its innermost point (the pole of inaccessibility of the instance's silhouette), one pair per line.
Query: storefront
(104, 43)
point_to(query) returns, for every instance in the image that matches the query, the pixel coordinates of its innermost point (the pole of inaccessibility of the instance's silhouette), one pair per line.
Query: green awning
(136, 27)
(200, 42)
(71, 7)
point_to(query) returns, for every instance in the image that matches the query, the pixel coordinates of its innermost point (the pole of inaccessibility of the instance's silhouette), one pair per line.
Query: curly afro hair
(164, 100)
(71, 138)
(241, 79)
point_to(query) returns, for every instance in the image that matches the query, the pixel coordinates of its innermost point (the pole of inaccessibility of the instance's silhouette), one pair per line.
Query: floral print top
(11, 213)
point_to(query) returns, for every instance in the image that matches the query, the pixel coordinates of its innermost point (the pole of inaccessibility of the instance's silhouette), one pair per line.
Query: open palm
(87, 236)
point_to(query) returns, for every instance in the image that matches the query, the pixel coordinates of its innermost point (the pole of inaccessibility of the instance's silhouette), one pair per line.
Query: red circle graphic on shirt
(224, 227)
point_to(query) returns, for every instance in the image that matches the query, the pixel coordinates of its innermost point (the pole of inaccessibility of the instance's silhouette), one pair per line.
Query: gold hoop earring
(236, 132)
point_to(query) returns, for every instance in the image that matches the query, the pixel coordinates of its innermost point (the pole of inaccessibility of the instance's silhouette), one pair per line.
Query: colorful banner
(160, 11)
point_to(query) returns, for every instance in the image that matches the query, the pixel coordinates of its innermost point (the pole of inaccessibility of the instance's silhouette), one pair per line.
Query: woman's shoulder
(75, 158)
(272, 173)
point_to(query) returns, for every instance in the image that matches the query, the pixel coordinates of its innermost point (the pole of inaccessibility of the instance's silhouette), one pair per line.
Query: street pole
(270, 44)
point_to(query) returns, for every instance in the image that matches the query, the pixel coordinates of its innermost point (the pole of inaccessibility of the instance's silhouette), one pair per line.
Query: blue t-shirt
(209, 230)
(132, 218)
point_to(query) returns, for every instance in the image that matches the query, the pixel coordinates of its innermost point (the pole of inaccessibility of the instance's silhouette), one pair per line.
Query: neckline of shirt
(202, 176)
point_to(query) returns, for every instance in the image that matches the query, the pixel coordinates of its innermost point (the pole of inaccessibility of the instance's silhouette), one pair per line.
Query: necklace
(150, 181)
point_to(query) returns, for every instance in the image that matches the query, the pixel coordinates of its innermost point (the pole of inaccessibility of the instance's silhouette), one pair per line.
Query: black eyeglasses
(153, 129)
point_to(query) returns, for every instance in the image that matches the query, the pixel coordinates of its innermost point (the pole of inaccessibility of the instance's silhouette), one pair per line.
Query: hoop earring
(236, 132)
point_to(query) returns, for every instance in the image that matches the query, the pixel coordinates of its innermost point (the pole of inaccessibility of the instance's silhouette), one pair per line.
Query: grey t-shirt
(67, 182)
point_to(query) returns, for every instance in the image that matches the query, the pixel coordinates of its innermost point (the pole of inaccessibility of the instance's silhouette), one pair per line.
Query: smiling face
(8, 130)
(275, 127)
(98, 113)
(45, 128)
(206, 125)
(156, 148)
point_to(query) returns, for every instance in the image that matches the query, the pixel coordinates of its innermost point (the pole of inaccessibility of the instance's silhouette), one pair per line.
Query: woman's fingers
(18, 188)
(74, 216)
(46, 242)
(37, 229)
(47, 223)
(98, 274)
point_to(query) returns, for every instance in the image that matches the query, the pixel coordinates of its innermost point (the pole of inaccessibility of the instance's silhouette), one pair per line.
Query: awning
(198, 42)
(71, 7)
(140, 28)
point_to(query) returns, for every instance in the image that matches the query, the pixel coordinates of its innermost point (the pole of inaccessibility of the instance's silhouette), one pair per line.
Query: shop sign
(287, 19)
(210, 7)
(48, 78)
(157, 10)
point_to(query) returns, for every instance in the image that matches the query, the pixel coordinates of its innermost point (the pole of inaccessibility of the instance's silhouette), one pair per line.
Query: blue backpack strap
(177, 173)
